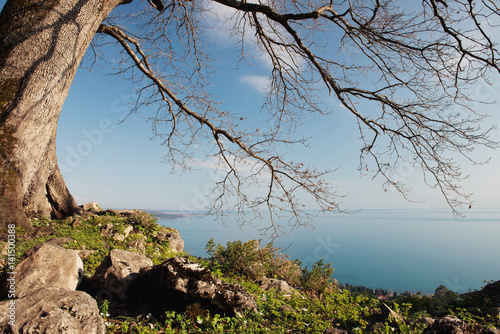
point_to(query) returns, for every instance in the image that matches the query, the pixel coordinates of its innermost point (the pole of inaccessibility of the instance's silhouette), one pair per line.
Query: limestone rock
(137, 217)
(107, 230)
(179, 282)
(93, 206)
(118, 270)
(276, 284)
(128, 213)
(48, 265)
(173, 237)
(335, 331)
(446, 325)
(119, 237)
(127, 230)
(139, 244)
(124, 213)
(53, 310)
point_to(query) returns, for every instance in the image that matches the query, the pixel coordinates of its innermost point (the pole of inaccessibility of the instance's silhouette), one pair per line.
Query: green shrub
(144, 220)
(247, 259)
(319, 279)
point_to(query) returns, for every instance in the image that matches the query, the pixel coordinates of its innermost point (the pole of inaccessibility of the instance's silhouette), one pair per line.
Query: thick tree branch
(403, 75)
(283, 177)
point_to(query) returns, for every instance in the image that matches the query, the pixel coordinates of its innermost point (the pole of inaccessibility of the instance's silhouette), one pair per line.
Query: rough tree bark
(41, 45)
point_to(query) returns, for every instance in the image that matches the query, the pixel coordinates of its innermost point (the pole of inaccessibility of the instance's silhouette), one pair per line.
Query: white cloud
(258, 82)
(226, 29)
(246, 167)
(221, 20)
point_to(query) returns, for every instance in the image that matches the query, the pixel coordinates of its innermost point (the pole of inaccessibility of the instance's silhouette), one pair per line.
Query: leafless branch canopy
(403, 73)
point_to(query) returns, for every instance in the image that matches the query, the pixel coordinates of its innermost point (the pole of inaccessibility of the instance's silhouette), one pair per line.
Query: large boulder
(52, 310)
(118, 270)
(179, 283)
(48, 265)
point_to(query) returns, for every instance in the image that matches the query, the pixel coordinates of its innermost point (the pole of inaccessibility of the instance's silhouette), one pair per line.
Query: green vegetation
(316, 303)
(85, 234)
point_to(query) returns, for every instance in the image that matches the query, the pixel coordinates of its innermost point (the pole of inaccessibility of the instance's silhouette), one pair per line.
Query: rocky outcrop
(446, 325)
(172, 236)
(46, 300)
(488, 296)
(47, 276)
(138, 217)
(52, 310)
(48, 265)
(124, 235)
(118, 270)
(179, 283)
(109, 231)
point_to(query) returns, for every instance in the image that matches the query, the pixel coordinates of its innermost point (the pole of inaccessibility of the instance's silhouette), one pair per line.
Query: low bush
(249, 260)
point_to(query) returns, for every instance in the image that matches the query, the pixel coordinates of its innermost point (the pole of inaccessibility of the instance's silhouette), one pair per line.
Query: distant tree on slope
(407, 90)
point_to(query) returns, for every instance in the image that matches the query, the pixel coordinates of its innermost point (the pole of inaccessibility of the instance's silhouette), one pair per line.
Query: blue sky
(118, 165)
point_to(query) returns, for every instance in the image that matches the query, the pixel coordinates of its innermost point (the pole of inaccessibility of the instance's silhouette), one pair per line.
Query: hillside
(243, 287)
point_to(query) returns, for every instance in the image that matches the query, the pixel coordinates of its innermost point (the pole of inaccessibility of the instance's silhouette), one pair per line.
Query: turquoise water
(401, 250)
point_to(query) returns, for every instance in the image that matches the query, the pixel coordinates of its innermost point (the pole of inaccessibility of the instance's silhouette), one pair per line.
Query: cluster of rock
(52, 294)
(45, 297)
(451, 324)
(48, 276)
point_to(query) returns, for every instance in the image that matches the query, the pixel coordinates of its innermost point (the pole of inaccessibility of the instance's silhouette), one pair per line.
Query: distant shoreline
(168, 215)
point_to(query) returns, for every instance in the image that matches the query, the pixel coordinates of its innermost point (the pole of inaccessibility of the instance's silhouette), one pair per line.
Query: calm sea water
(401, 250)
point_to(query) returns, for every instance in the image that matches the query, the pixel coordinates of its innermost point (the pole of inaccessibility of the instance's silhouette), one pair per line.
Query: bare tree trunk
(41, 45)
